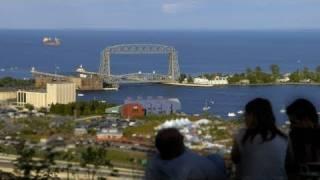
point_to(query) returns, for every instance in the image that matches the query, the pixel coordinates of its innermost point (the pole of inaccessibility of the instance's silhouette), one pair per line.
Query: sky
(160, 14)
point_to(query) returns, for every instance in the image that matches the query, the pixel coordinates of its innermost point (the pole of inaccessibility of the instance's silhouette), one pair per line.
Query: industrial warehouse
(55, 93)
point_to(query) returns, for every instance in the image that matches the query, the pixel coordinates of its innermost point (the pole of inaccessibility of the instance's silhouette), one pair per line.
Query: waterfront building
(283, 80)
(218, 80)
(83, 80)
(55, 93)
(109, 134)
(157, 105)
(132, 110)
(6, 95)
(244, 81)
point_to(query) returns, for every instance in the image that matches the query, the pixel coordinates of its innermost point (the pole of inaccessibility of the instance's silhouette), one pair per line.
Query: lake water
(201, 51)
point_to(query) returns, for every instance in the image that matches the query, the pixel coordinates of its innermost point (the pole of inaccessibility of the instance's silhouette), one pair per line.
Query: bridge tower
(104, 69)
(174, 70)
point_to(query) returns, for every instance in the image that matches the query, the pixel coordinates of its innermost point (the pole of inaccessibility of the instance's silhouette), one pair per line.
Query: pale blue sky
(160, 14)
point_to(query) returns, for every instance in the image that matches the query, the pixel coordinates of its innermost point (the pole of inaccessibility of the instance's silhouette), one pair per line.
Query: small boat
(240, 112)
(80, 95)
(231, 114)
(111, 89)
(282, 111)
(206, 107)
(48, 41)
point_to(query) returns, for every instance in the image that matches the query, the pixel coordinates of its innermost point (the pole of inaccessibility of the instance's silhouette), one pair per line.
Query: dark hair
(265, 122)
(301, 109)
(169, 143)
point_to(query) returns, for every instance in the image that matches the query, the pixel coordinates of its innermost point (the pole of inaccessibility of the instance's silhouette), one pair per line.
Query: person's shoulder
(196, 158)
(238, 135)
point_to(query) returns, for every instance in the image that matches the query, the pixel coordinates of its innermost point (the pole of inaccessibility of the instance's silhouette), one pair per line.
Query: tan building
(56, 93)
(84, 80)
(7, 95)
(61, 93)
(36, 98)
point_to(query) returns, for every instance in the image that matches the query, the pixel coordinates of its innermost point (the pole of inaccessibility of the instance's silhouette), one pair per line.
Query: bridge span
(173, 67)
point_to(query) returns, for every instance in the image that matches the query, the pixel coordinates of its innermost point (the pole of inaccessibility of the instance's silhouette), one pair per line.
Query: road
(7, 165)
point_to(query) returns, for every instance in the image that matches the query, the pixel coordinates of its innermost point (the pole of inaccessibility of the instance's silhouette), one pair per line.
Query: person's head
(259, 119)
(259, 114)
(302, 114)
(169, 143)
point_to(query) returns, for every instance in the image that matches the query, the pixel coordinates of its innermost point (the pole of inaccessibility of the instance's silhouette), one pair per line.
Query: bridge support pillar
(173, 72)
(104, 69)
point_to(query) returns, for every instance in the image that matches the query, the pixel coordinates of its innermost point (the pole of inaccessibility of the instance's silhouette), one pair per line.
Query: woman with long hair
(259, 149)
(303, 155)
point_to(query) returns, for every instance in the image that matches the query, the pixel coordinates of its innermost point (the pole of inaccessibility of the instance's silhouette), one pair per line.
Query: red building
(132, 110)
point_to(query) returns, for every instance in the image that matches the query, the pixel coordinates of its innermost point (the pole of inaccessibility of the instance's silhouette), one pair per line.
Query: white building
(218, 80)
(109, 134)
(55, 93)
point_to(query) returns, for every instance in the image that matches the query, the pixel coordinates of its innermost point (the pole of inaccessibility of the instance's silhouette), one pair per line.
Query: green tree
(318, 69)
(45, 164)
(182, 77)
(68, 157)
(96, 156)
(275, 70)
(317, 74)
(248, 71)
(30, 107)
(24, 162)
(43, 110)
(190, 79)
(295, 76)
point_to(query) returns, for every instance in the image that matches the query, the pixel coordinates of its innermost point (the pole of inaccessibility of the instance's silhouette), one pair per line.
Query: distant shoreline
(224, 85)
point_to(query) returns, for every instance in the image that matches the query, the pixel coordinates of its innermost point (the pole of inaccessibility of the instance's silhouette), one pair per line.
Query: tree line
(81, 108)
(12, 82)
(32, 165)
(258, 76)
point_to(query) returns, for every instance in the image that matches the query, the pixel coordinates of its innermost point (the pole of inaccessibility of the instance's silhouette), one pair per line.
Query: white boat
(80, 95)
(206, 107)
(282, 111)
(111, 89)
(240, 112)
(48, 41)
(231, 114)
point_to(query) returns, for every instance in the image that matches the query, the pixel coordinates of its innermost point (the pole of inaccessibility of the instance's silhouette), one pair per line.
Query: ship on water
(48, 41)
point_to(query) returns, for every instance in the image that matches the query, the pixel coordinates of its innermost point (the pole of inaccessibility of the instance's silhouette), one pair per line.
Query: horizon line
(168, 29)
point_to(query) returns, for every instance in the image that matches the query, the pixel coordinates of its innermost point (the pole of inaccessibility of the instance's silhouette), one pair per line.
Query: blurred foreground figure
(303, 156)
(259, 149)
(175, 162)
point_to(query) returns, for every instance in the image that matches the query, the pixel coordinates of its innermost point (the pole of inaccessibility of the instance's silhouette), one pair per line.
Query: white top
(187, 166)
(259, 161)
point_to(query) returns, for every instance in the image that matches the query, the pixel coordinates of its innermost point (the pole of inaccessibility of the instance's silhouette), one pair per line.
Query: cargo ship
(48, 41)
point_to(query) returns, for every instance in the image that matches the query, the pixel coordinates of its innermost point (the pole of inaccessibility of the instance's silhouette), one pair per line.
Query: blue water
(226, 99)
(201, 51)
